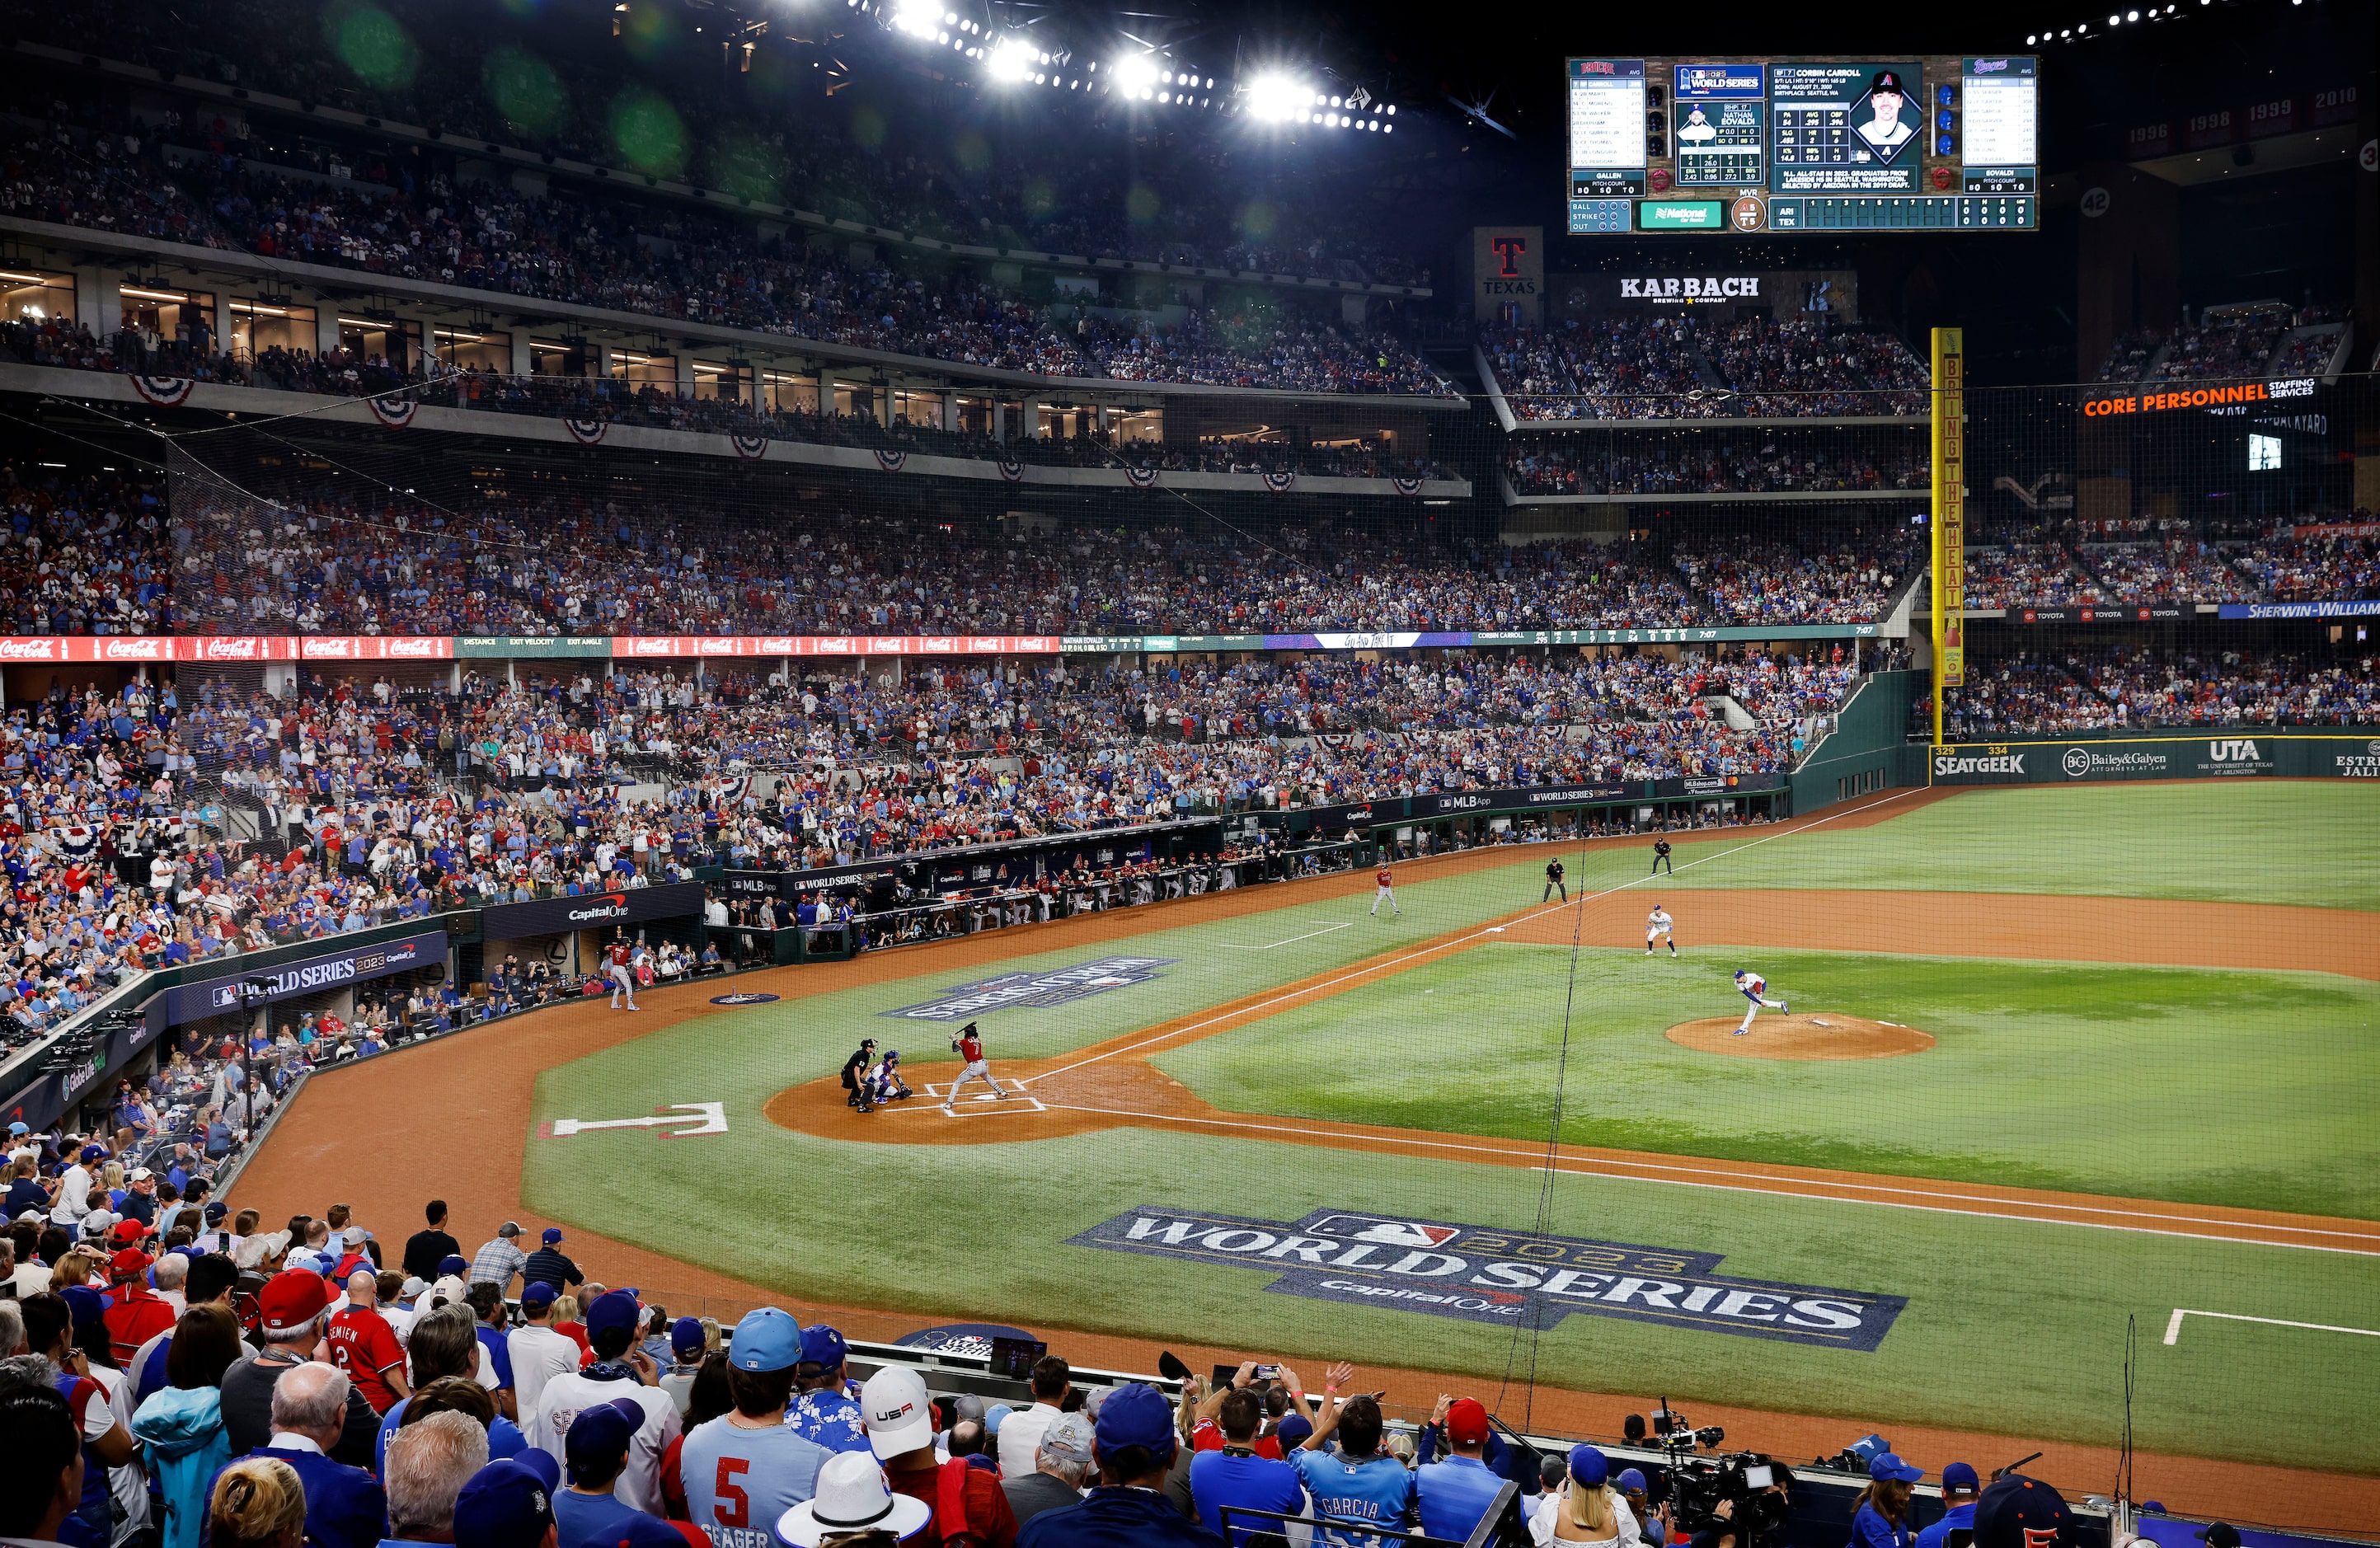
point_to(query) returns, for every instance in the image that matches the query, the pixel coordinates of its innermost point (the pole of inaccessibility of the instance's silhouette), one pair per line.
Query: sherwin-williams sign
(1059, 987)
(2229, 754)
(1504, 1278)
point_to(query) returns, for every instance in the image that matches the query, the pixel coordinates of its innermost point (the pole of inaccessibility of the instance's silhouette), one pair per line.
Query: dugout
(570, 933)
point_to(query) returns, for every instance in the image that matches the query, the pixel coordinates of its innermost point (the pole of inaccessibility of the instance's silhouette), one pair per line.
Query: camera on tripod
(1753, 1486)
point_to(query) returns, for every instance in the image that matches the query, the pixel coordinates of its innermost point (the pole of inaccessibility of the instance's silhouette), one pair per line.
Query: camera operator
(1585, 1509)
(1882, 1517)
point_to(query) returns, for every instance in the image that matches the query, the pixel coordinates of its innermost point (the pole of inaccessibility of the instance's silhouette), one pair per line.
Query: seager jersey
(739, 1482)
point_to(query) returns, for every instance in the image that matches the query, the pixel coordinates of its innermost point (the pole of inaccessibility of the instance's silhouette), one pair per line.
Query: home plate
(1022, 1102)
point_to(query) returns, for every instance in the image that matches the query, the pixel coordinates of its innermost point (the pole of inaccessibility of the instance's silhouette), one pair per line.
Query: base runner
(1658, 924)
(616, 968)
(1754, 988)
(969, 1046)
(1386, 893)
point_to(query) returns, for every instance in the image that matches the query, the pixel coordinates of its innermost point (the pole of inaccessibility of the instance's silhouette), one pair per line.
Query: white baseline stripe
(2173, 1327)
(1420, 951)
(1586, 1168)
(1344, 924)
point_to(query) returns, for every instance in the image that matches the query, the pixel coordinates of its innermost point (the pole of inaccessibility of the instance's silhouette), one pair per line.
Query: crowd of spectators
(2249, 339)
(1570, 465)
(1627, 368)
(2165, 559)
(2146, 687)
(1756, 581)
(2026, 574)
(663, 262)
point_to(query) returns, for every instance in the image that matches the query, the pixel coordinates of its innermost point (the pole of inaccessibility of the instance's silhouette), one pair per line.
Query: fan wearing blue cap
(826, 1412)
(505, 1504)
(746, 1468)
(612, 1327)
(588, 1514)
(1134, 1441)
(1882, 1517)
(1959, 1490)
(1585, 1507)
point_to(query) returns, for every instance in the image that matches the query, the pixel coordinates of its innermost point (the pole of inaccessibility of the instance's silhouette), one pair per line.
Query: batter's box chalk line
(983, 1104)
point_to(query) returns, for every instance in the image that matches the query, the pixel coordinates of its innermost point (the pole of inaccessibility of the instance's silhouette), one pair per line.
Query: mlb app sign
(1509, 1279)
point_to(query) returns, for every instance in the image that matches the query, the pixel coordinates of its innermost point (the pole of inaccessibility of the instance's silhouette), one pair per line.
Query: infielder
(1754, 988)
(1386, 893)
(1658, 924)
(616, 968)
(969, 1046)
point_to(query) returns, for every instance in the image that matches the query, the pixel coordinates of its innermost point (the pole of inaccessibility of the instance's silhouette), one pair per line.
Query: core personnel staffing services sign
(1509, 1278)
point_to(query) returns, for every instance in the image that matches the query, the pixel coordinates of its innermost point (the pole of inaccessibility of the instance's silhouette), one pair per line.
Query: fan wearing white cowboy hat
(853, 1496)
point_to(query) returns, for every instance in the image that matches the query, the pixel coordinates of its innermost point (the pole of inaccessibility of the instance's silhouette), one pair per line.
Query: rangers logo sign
(165, 391)
(889, 458)
(1280, 483)
(751, 446)
(586, 432)
(1140, 477)
(395, 411)
(1507, 1278)
(1012, 470)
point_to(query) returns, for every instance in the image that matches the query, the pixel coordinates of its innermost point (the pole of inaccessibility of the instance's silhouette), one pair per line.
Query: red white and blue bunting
(586, 432)
(165, 391)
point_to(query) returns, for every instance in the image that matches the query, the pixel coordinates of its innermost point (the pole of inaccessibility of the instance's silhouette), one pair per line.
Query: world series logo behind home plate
(1057, 987)
(1482, 1275)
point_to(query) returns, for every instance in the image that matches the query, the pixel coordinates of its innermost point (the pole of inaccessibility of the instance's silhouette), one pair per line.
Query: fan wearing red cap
(1453, 1493)
(135, 1313)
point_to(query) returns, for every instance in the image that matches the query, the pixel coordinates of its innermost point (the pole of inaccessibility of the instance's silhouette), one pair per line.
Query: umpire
(855, 1095)
(1554, 880)
(1661, 858)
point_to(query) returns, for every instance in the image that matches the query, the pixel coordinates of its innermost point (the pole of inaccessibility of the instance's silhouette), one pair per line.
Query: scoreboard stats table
(1938, 143)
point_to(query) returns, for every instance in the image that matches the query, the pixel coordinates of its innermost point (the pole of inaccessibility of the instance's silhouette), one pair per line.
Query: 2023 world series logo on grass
(1482, 1275)
(1056, 986)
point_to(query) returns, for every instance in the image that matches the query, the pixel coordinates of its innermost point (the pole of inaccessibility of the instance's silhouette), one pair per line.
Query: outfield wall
(1869, 749)
(2244, 753)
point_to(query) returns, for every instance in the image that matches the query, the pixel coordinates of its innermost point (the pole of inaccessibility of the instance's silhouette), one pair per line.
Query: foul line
(1344, 924)
(1421, 952)
(2173, 1329)
(1585, 1167)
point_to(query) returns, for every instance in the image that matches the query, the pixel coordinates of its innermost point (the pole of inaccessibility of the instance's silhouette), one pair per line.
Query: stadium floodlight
(917, 17)
(1136, 74)
(1275, 97)
(1011, 60)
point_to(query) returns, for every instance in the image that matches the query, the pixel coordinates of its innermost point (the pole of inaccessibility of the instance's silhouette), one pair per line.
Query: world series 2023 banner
(2248, 754)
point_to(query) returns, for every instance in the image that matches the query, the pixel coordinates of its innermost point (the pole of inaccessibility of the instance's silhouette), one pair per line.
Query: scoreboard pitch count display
(1931, 143)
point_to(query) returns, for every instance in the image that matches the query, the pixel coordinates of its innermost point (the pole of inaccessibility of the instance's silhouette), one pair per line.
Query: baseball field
(2065, 1068)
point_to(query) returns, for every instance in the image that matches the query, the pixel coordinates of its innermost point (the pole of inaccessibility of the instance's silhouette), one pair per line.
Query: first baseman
(1658, 923)
(1754, 988)
(1386, 893)
(969, 1046)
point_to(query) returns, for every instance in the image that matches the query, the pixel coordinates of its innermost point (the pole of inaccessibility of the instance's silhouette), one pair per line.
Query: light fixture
(1011, 58)
(1136, 74)
(1274, 97)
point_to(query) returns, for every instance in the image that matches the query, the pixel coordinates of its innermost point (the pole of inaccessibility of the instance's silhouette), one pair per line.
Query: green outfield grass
(2316, 843)
(2256, 1090)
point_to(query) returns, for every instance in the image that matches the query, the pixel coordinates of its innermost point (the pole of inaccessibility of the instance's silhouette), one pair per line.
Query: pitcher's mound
(1818, 1036)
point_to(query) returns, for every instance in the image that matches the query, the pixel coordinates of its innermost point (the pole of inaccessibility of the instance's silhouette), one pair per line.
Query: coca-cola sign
(641, 646)
(232, 648)
(145, 648)
(416, 648)
(34, 648)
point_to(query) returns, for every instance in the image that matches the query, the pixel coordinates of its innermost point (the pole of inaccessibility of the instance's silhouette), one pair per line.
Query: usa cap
(897, 1412)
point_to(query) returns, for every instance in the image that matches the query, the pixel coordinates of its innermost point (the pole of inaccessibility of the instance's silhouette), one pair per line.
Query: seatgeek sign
(1505, 1278)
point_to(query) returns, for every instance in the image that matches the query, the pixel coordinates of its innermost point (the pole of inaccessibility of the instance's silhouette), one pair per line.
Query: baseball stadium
(849, 772)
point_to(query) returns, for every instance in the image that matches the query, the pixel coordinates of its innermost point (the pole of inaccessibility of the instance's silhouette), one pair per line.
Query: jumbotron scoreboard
(1934, 143)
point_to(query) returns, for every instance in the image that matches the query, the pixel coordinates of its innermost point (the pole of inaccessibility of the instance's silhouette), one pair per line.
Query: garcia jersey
(1377, 1492)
